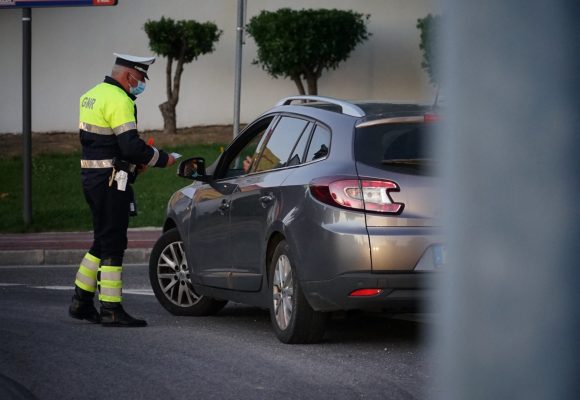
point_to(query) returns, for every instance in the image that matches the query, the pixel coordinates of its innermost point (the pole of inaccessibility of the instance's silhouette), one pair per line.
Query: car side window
(249, 145)
(282, 141)
(297, 156)
(319, 145)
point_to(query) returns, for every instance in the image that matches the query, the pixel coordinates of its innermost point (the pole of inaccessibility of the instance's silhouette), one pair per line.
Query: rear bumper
(401, 292)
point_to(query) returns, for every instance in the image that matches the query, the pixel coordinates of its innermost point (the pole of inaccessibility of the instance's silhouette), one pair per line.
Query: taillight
(365, 292)
(431, 117)
(359, 194)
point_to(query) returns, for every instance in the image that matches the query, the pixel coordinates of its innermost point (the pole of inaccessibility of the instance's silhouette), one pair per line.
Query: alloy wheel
(173, 276)
(283, 291)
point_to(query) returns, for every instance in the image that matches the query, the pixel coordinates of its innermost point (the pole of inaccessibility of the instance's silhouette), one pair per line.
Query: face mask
(137, 90)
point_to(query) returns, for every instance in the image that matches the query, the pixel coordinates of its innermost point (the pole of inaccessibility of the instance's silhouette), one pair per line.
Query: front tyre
(170, 280)
(293, 320)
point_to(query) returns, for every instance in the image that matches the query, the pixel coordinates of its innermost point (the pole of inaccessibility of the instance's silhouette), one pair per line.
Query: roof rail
(346, 107)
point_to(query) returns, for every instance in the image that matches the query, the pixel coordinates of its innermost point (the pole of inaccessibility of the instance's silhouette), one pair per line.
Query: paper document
(176, 155)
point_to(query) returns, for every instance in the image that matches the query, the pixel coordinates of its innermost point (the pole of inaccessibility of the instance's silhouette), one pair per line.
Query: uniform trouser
(102, 265)
(110, 211)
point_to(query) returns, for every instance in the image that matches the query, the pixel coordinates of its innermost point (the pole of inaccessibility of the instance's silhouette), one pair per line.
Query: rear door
(257, 203)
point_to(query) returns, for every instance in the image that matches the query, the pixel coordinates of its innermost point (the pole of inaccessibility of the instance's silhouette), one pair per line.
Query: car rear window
(402, 147)
(320, 144)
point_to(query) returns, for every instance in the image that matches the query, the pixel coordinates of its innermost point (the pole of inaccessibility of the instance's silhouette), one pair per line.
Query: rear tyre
(170, 279)
(293, 320)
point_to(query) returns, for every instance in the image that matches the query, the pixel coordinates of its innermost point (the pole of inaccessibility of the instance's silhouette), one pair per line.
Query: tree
(300, 44)
(430, 28)
(180, 41)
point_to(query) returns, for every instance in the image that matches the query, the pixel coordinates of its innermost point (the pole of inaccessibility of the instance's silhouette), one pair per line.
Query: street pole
(238, 73)
(26, 114)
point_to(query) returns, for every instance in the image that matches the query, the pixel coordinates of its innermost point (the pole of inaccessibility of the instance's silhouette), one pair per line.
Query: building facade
(72, 50)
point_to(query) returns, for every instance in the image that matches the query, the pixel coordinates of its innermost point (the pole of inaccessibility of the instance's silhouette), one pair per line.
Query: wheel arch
(175, 268)
(169, 224)
(275, 238)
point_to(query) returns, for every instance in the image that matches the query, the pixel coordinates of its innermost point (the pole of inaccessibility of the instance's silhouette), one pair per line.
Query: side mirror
(193, 168)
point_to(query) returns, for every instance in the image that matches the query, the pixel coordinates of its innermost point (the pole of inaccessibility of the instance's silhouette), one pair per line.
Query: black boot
(113, 314)
(82, 306)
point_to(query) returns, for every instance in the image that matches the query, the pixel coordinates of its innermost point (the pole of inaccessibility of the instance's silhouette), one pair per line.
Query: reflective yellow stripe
(124, 127)
(86, 277)
(110, 283)
(85, 281)
(110, 299)
(90, 257)
(99, 130)
(88, 288)
(102, 130)
(110, 295)
(96, 163)
(89, 273)
(91, 263)
(110, 276)
(155, 157)
(103, 164)
(110, 268)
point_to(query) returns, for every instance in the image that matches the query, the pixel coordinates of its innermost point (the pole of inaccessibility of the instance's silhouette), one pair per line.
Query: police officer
(112, 155)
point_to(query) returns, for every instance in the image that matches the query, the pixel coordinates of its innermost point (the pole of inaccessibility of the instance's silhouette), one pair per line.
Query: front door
(209, 237)
(209, 228)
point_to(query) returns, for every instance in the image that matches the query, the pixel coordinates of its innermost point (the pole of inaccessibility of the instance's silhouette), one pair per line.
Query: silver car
(319, 205)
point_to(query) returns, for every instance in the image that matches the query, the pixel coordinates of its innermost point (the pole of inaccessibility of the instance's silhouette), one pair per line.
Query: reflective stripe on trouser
(86, 277)
(110, 283)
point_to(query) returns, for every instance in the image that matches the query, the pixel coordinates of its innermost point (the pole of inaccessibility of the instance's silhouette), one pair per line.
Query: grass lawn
(57, 199)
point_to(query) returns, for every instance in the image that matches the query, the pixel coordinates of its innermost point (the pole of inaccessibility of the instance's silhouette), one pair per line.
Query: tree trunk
(169, 117)
(172, 89)
(299, 84)
(312, 82)
(168, 108)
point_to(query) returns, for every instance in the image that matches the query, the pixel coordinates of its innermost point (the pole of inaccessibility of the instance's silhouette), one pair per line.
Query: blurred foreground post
(510, 326)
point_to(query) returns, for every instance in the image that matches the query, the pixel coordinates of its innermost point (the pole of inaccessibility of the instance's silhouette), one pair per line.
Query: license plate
(439, 255)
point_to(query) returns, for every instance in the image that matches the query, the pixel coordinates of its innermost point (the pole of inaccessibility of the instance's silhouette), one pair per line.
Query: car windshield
(405, 147)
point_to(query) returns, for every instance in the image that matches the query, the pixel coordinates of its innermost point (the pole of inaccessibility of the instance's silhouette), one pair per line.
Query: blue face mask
(137, 90)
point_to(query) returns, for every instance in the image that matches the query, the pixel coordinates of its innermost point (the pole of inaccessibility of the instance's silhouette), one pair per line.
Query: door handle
(225, 206)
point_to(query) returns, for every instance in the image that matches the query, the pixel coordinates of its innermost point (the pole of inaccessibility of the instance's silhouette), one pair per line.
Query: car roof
(366, 111)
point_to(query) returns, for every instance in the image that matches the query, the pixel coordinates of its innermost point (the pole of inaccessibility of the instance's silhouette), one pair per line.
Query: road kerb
(64, 257)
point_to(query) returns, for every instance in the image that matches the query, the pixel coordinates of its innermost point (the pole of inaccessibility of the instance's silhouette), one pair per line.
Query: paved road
(233, 355)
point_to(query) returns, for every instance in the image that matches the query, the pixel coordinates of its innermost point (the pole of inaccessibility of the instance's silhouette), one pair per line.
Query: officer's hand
(247, 163)
(170, 160)
(142, 168)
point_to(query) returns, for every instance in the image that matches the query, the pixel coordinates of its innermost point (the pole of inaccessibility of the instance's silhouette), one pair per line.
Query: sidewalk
(64, 248)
